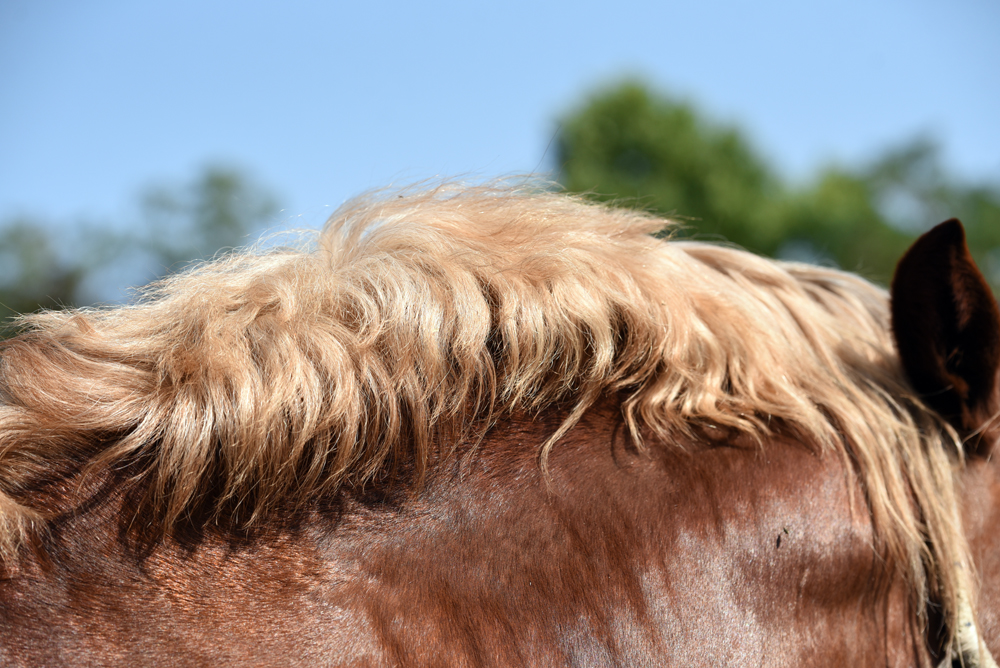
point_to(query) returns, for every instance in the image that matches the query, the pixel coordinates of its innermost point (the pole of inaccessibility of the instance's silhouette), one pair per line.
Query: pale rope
(968, 646)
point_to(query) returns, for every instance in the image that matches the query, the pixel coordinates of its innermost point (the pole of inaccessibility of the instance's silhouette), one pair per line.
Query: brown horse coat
(483, 427)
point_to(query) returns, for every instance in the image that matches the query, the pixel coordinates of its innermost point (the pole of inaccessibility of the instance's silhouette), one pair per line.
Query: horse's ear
(947, 328)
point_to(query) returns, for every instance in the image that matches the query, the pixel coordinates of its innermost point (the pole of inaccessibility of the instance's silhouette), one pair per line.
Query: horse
(498, 425)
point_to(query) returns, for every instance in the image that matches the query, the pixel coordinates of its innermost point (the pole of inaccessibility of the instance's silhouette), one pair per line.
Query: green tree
(175, 224)
(915, 191)
(216, 211)
(31, 273)
(637, 148)
(632, 147)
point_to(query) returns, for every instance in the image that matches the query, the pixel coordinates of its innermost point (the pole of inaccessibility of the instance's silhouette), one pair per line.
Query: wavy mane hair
(419, 318)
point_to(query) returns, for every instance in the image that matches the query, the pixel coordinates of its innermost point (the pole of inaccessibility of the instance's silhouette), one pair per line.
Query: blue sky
(320, 101)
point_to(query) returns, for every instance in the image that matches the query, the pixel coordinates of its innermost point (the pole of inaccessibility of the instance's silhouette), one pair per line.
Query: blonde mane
(419, 318)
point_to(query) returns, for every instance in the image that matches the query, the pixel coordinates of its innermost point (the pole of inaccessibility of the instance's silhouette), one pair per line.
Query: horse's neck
(693, 555)
(980, 507)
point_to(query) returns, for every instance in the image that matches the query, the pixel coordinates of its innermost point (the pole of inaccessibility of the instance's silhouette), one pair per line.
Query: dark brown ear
(947, 328)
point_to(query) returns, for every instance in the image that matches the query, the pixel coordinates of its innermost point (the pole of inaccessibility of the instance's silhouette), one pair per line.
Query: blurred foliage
(30, 270)
(640, 149)
(42, 266)
(215, 212)
(627, 144)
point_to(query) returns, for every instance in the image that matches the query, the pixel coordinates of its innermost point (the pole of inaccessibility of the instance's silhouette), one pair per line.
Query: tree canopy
(42, 266)
(638, 148)
(627, 144)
